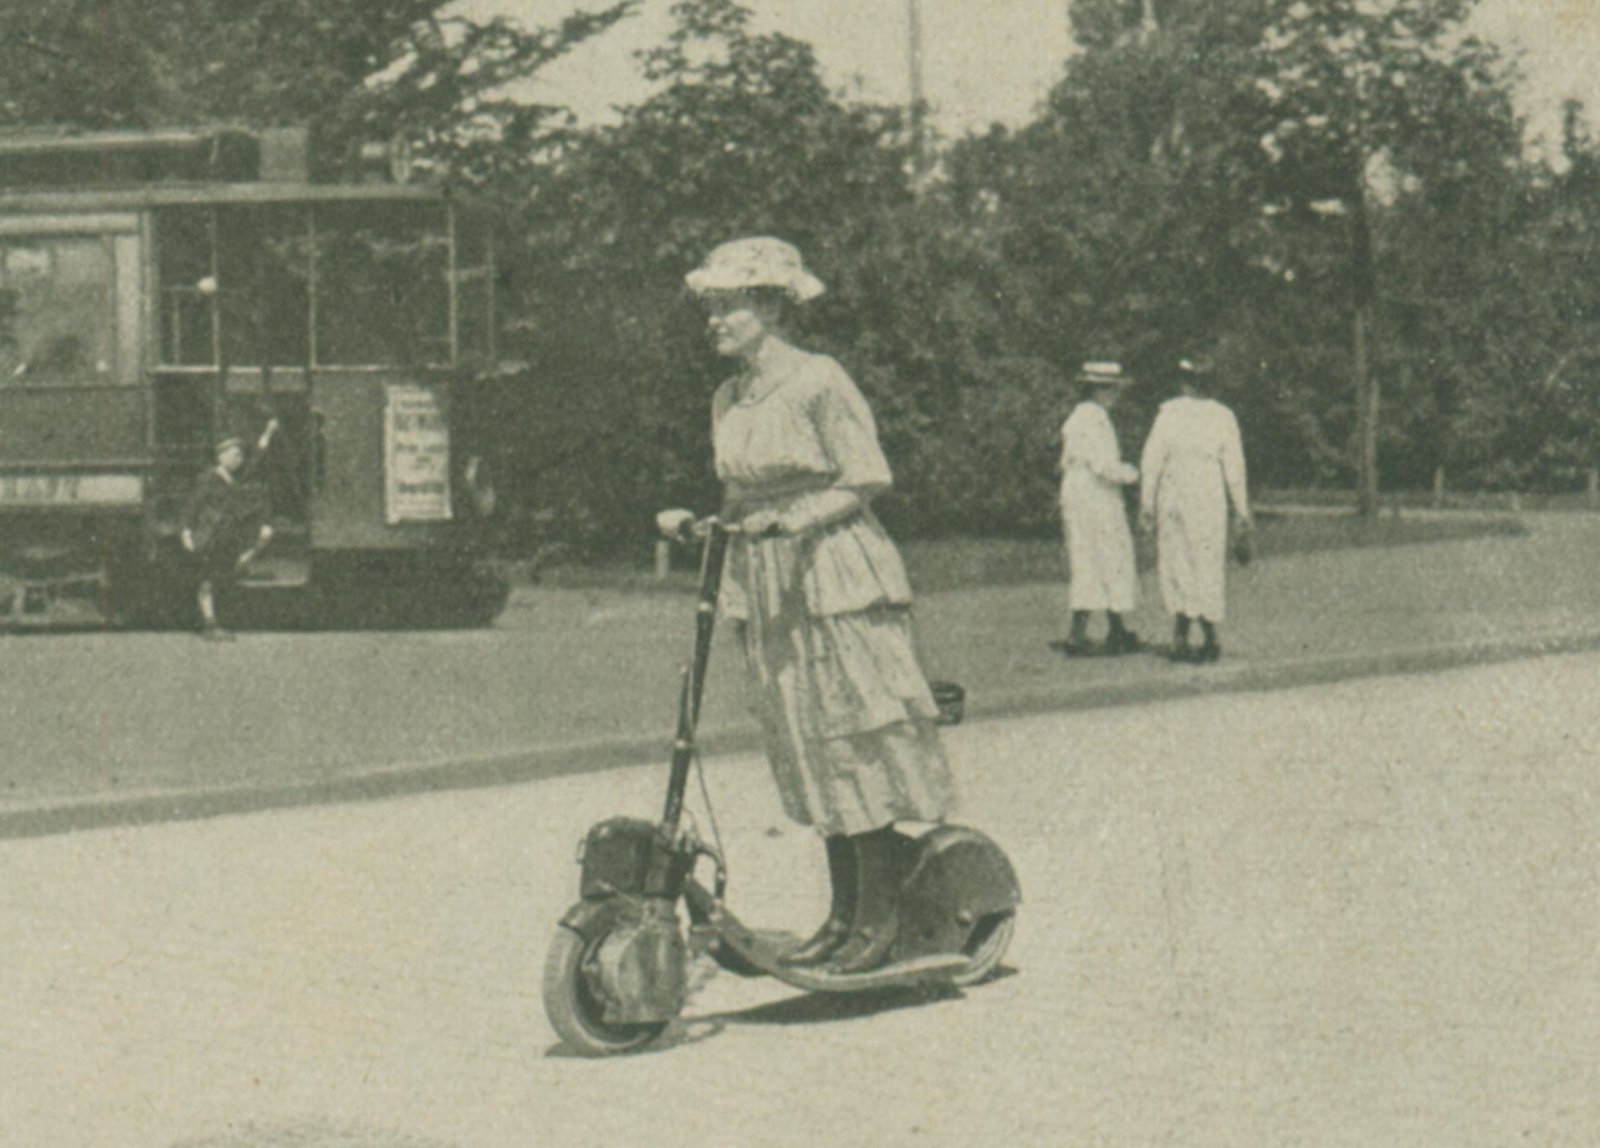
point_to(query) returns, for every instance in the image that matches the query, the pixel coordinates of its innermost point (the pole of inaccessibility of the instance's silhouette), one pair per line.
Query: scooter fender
(958, 882)
(593, 917)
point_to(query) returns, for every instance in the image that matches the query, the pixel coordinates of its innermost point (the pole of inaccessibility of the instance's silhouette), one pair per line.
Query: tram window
(258, 284)
(382, 295)
(183, 261)
(55, 310)
(264, 275)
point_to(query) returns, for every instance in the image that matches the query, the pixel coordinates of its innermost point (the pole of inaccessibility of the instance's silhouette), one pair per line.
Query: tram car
(160, 291)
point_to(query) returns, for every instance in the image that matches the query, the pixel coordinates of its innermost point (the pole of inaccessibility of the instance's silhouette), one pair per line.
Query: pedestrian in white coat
(1094, 520)
(1193, 468)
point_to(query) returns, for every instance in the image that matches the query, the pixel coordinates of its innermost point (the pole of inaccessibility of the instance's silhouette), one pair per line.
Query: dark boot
(1211, 649)
(1120, 639)
(878, 879)
(836, 929)
(1180, 639)
(1078, 639)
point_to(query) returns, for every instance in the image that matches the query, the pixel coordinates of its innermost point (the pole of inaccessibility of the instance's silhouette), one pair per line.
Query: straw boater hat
(1108, 374)
(231, 441)
(761, 261)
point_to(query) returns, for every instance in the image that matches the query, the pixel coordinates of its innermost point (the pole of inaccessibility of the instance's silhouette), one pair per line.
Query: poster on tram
(416, 463)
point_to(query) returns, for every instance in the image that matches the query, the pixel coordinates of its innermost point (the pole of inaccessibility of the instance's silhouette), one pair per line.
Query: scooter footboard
(748, 950)
(959, 881)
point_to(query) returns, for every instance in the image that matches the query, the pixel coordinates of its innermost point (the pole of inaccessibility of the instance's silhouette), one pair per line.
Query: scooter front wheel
(575, 1013)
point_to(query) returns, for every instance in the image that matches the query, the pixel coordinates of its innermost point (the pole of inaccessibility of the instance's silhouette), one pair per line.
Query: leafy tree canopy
(353, 69)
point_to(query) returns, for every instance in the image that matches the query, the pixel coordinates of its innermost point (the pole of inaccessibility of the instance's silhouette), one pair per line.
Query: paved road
(1366, 914)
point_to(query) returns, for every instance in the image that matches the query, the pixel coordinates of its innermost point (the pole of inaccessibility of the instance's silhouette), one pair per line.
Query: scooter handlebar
(683, 526)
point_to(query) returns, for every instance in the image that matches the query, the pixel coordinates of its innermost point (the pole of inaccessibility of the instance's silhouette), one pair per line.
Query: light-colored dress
(1193, 464)
(1094, 520)
(845, 709)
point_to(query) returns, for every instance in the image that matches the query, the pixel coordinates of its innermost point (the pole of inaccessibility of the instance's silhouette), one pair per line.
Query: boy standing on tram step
(224, 525)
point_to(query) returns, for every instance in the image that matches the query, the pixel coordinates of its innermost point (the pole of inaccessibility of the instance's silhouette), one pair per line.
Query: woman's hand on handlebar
(680, 525)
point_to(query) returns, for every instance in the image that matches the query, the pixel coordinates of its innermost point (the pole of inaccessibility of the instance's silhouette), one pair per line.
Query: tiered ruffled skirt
(843, 703)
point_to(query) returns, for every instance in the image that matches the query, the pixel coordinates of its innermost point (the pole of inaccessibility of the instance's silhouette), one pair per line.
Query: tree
(740, 137)
(1541, 424)
(355, 70)
(1360, 92)
(1129, 203)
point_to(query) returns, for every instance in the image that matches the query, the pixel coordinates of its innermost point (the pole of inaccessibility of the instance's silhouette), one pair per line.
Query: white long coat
(1193, 465)
(1094, 520)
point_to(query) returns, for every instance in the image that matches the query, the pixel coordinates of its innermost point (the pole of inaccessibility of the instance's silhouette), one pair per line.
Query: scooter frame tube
(712, 555)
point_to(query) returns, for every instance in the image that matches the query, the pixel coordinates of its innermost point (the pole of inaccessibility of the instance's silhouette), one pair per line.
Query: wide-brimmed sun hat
(758, 261)
(1104, 373)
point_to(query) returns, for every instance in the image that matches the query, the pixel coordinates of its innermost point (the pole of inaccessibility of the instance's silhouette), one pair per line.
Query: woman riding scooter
(819, 597)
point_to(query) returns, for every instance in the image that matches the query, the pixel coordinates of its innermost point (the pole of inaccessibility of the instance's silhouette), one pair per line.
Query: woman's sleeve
(1108, 456)
(1233, 470)
(1103, 456)
(721, 400)
(1151, 461)
(849, 435)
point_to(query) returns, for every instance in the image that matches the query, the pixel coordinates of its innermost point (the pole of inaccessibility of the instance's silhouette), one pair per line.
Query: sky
(988, 61)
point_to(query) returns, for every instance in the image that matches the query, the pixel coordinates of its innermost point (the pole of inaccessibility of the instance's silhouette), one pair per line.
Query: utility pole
(1368, 403)
(919, 148)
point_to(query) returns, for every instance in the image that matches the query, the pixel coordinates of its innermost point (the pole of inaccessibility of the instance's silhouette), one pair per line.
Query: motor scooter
(617, 971)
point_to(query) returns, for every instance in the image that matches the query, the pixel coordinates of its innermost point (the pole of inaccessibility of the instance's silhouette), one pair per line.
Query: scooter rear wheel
(575, 1013)
(986, 949)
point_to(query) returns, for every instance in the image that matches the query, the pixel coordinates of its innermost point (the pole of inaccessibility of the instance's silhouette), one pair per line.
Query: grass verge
(970, 563)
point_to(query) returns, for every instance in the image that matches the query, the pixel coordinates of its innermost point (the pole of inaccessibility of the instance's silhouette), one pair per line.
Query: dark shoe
(1210, 652)
(1076, 649)
(1181, 654)
(1126, 642)
(878, 873)
(835, 931)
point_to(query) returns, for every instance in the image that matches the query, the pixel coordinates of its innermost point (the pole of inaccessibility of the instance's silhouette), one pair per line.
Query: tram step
(276, 572)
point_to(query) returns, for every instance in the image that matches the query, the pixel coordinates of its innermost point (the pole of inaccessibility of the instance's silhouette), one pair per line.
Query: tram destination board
(71, 490)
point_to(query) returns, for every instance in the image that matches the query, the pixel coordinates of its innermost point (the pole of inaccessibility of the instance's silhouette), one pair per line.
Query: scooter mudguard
(593, 917)
(958, 882)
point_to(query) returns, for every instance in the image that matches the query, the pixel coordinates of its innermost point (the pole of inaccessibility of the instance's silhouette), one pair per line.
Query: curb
(573, 759)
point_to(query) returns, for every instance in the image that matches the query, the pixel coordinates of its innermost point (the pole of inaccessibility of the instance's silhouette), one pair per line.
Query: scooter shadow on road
(804, 1008)
(826, 1008)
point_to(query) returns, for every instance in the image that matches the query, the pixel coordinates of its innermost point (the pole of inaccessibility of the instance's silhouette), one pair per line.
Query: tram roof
(226, 194)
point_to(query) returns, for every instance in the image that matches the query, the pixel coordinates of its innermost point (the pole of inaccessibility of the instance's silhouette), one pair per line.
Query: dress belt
(768, 495)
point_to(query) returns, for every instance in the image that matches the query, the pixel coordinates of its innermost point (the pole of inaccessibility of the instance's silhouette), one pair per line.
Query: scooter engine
(640, 968)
